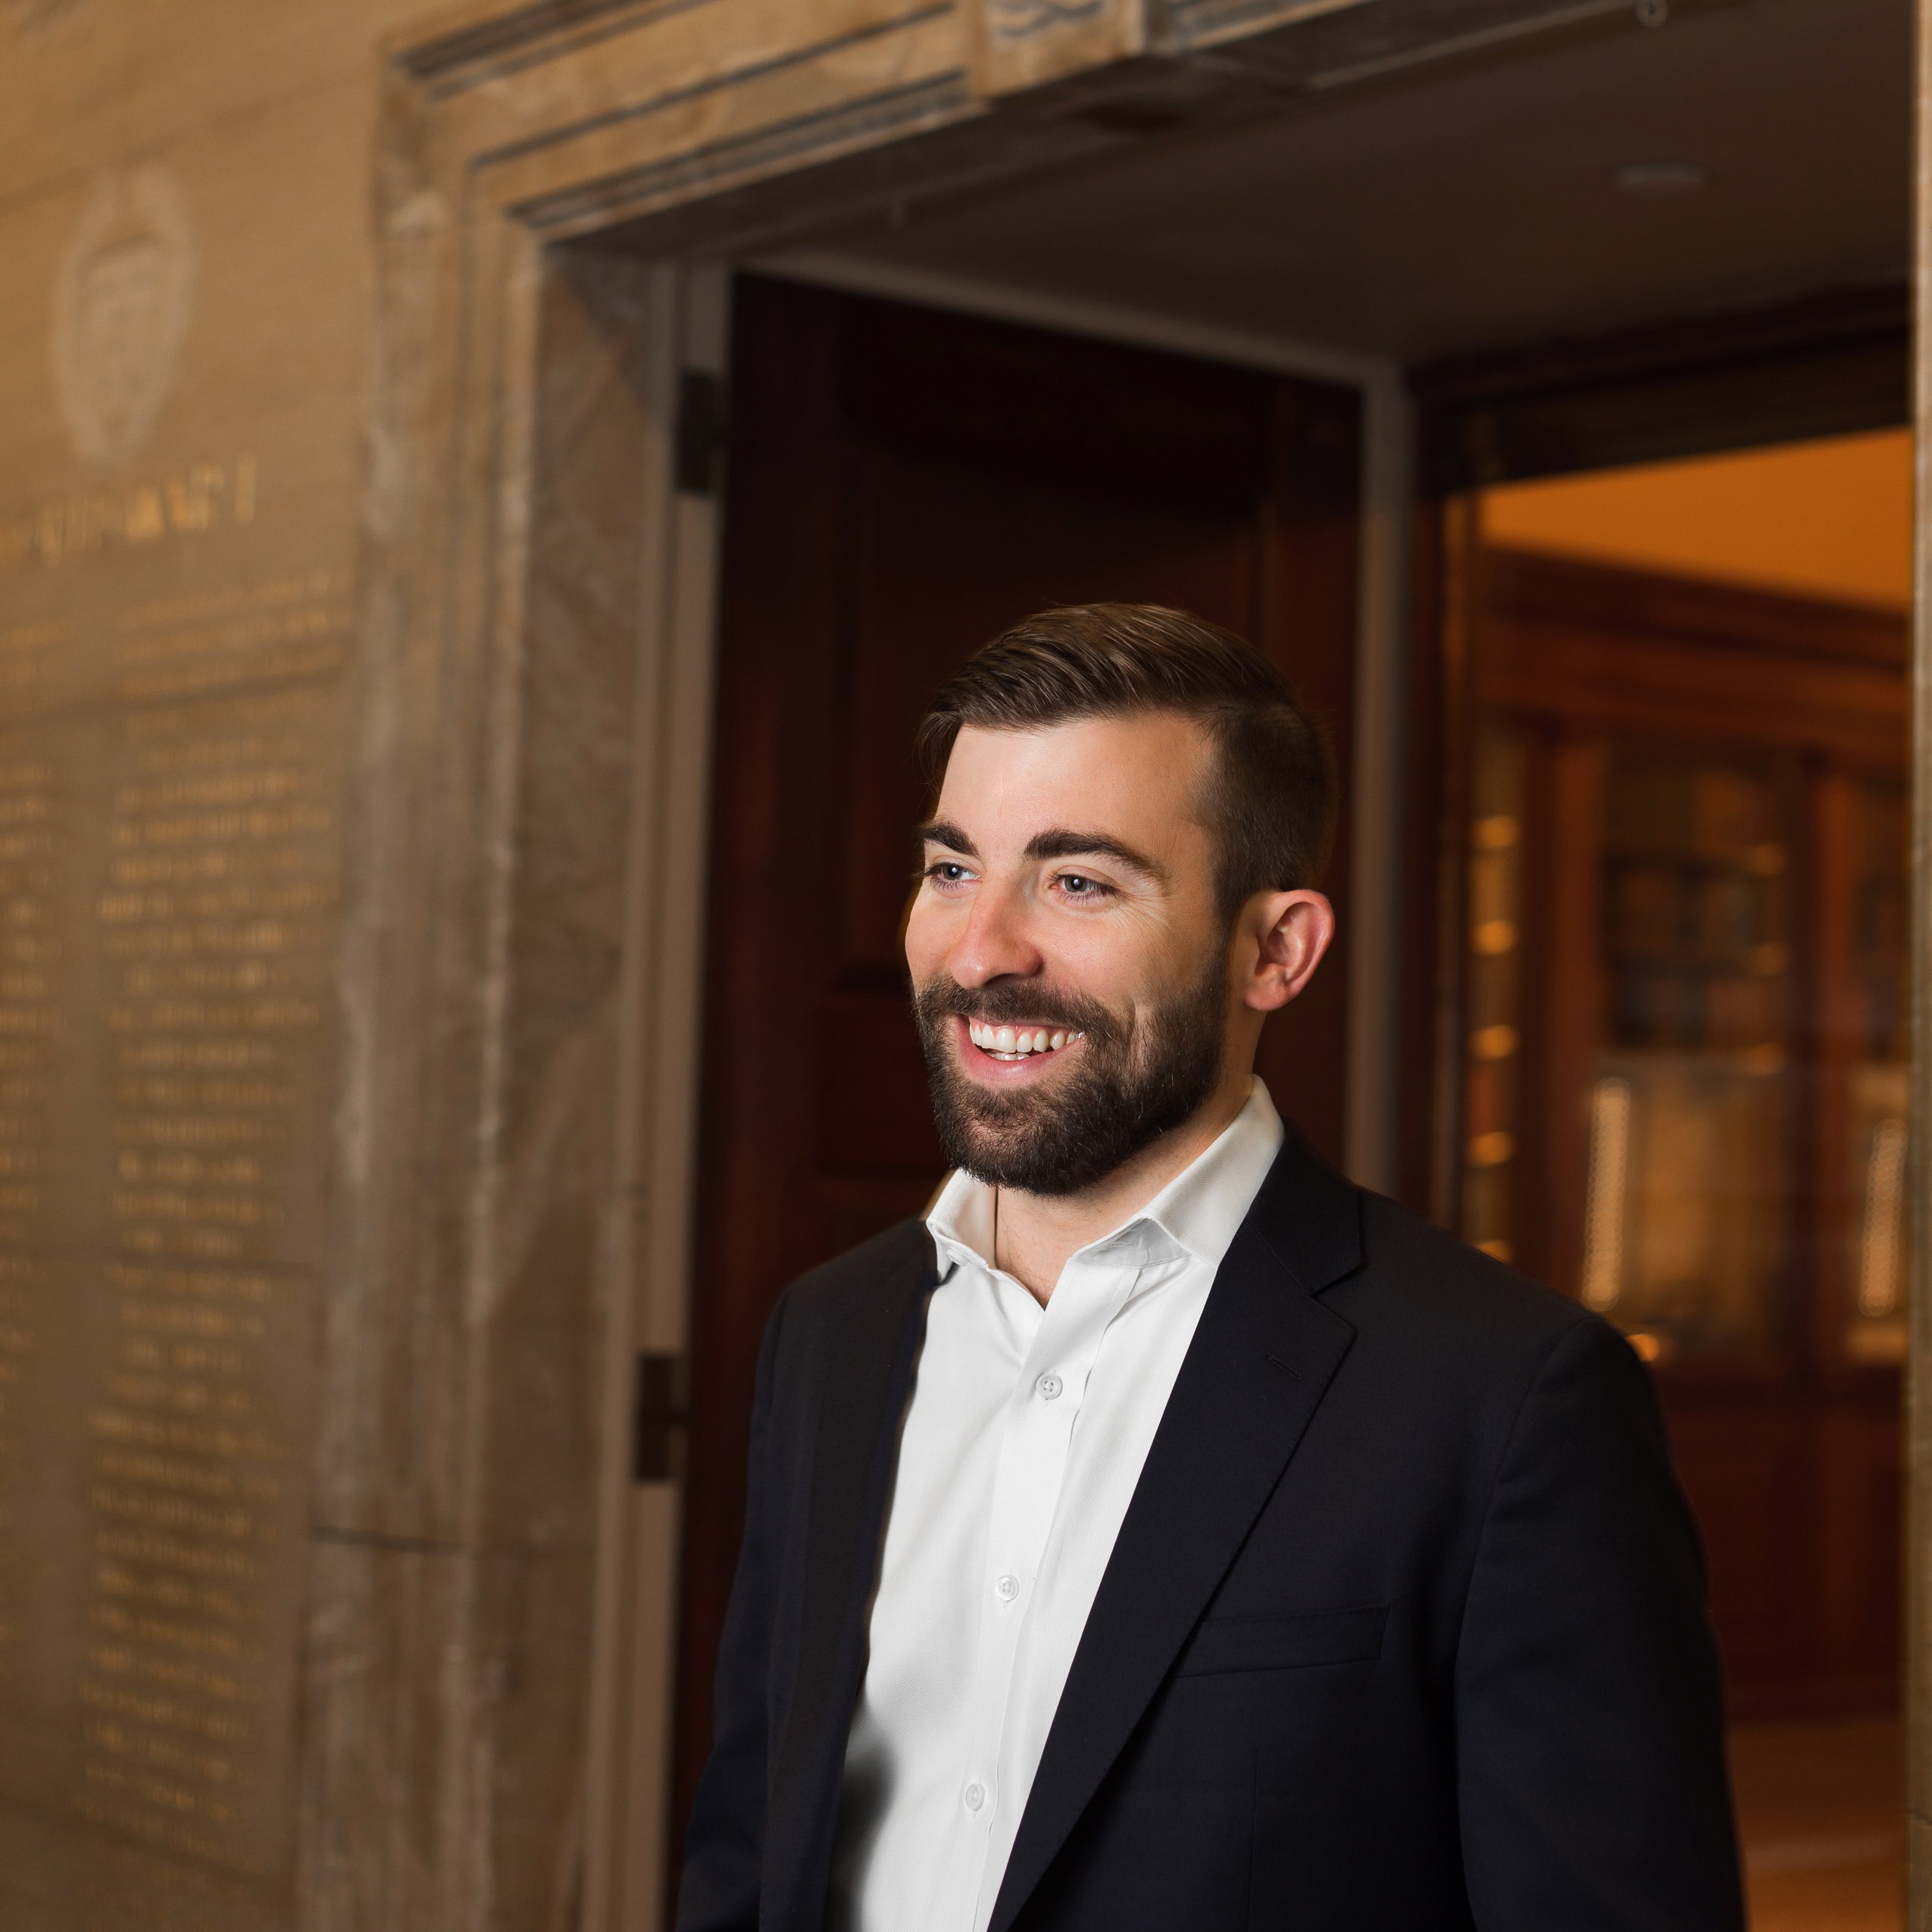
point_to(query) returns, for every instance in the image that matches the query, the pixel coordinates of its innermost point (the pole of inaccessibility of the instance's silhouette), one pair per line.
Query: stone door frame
(561, 188)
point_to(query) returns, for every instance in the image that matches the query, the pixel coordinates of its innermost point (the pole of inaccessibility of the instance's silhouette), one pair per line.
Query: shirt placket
(1036, 1443)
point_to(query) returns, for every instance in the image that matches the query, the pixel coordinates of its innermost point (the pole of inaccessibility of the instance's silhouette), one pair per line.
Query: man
(1165, 1533)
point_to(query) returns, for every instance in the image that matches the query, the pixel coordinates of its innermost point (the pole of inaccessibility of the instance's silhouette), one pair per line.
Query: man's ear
(1284, 936)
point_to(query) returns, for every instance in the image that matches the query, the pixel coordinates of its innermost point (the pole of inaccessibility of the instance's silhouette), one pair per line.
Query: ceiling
(1473, 201)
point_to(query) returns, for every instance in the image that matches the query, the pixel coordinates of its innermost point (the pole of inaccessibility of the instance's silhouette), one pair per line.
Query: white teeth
(1015, 1043)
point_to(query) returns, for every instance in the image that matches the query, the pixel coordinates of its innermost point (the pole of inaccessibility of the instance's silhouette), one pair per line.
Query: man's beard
(1129, 1085)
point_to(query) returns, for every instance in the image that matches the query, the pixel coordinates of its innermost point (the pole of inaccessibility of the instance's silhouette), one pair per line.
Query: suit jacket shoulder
(1427, 1291)
(858, 1280)
(821, 1315)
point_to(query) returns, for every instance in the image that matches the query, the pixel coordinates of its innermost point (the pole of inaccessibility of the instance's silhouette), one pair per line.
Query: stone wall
(185, 290)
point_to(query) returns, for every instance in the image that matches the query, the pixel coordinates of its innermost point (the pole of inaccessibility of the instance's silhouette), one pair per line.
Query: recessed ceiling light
(1662, 177)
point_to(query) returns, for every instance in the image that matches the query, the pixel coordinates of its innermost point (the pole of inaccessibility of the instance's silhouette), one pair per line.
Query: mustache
(1003, 1004)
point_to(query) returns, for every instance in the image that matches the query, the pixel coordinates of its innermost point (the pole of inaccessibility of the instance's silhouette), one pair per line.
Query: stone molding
(1188, 24)
(1021, 44)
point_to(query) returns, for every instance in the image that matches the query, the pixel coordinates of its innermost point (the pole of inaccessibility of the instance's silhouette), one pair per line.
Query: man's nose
(997, 943)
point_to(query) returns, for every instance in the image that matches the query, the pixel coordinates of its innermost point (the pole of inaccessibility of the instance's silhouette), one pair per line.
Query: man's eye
(1078, 886)
(945, 873)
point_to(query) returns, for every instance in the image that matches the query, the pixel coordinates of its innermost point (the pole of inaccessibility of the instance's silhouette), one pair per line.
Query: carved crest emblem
(120, 308)
(32, 18)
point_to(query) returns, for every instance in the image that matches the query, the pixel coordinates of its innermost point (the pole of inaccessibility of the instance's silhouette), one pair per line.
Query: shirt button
(976, 1796)
(1050, 1387)
(1007, 1589)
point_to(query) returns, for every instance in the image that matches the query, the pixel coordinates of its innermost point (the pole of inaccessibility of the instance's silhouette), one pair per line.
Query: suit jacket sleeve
(1590, 1719)
(723, 1848)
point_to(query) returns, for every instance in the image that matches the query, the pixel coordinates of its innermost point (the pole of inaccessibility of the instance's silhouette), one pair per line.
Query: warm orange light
(1830, 518)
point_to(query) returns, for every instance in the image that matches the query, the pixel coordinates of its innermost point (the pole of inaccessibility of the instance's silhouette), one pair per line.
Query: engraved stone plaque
(166, 891)
(171, 734)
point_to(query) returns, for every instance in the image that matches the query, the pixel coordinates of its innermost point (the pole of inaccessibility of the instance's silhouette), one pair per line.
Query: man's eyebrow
(1068, 844)
(943, 831)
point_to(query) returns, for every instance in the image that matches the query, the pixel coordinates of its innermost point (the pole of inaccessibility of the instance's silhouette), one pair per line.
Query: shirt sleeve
(1591, 1785)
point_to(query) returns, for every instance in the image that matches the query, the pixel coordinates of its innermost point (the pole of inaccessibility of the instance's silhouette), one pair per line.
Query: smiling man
(1165, 1534)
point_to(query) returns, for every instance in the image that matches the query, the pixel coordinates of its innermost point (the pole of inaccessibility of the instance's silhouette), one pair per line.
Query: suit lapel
(861, 1376)
(1260, 1362)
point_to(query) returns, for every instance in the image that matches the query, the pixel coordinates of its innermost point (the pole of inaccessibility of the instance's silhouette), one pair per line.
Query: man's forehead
(1126, 757)
(1124, 782)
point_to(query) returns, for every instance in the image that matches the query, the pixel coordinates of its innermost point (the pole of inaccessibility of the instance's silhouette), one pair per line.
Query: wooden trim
(1532, 585)
(1462, 564)
(1828, 365)
(1918, 1403)
(1419, 1070)
(1596, 648)
(1832, 1033)
(1571, 1023)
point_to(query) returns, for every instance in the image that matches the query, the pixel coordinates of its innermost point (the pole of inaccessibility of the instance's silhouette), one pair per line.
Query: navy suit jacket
(1404, 1627)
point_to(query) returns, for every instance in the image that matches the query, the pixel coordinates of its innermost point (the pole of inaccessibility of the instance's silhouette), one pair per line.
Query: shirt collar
(1200, 1210)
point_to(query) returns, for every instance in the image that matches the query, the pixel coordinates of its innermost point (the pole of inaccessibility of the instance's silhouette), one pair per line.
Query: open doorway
(905, 483)
(1682, 1086)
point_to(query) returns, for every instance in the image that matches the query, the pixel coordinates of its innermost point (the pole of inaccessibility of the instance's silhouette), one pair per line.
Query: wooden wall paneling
(1534, 1234)
(1628, 652)
(1858, 1446)
(1463, 578)
(1572, 1021)
(1834, 1028)
(1423, 812)
(1751, 1472)
(1664, 688)
(1542, 588)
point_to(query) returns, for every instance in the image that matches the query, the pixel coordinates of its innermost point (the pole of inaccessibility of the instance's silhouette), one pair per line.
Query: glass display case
(1491, 1100)
(1874, 1234)
(1681, 899)
(1688, 1207)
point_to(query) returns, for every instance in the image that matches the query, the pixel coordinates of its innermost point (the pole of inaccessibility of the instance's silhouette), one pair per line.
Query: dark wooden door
(902, 485)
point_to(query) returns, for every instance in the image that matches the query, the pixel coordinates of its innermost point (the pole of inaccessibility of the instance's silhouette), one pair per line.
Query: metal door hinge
(703, 418)
(659, 1414)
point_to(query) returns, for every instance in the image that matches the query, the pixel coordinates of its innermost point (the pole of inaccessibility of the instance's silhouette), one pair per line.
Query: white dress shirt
(1022, 1443)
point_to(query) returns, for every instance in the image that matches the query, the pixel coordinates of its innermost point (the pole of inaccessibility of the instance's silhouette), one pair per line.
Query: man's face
(1070, 968)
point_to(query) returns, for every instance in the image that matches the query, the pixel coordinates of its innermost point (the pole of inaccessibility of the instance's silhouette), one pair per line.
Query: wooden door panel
(872, 1119)
(948, 558)
(903, 485)
(1024, 405)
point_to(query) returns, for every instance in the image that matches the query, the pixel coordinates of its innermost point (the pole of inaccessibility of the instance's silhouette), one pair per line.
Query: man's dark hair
(1270, 805)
